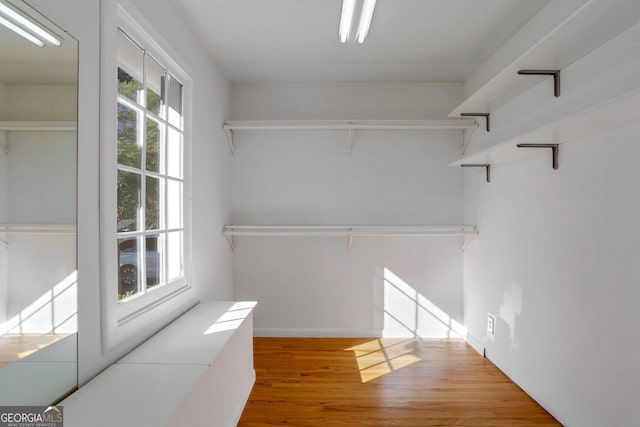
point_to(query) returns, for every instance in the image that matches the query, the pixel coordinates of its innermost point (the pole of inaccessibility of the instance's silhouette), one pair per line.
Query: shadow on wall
(54, 312)
(509, 312)
(409, 314)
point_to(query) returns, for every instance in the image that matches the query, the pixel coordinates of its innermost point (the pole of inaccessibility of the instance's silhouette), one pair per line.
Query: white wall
(42, 102)
(4, 280)
(314, 286)
(210, 158)
(212, 270)
(556, 262)
(3, 219)
(3, 207)
(41, 183)
(3, 104)
(39, 173)
(42, 286)
(336, 101)
(4, 167)
(42, 177)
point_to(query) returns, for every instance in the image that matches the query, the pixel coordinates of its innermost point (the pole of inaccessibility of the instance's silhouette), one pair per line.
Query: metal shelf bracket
(351, 136)
(465, 241)
(232, 242)
(486, 166)
(4, 142)
(554, 73)
(229, 134)
(487, 117)
(466, 138)
(554, 151)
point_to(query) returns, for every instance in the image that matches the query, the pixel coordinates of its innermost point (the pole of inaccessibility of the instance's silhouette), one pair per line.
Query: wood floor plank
(382, 382)
(17, 346)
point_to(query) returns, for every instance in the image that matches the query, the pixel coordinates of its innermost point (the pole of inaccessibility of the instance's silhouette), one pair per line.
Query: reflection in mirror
(38, 286)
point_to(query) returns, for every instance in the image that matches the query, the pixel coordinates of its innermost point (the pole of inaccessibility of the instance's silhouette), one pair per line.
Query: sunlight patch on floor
(380, 357)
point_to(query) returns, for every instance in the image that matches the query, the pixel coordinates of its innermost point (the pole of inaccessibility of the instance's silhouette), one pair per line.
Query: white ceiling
(409, 40)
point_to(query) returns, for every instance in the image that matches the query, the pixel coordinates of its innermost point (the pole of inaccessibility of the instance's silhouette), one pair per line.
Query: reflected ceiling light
(348, 8)
(359, 12)
(21, 32)
(25, 27)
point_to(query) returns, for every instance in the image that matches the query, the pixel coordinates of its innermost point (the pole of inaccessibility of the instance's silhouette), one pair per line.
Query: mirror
(38, 145)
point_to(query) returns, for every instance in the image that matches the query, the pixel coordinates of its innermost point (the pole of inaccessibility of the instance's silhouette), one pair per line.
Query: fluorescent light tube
(21, 32)
(346, 19)
(29, 25)
(365, 19)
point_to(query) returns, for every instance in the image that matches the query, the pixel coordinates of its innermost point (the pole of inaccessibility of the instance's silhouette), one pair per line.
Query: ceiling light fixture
(21, 32)
(25, 27)
(357, 12)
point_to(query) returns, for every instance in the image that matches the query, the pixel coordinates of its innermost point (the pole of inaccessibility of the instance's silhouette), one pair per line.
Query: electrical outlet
(491, 323)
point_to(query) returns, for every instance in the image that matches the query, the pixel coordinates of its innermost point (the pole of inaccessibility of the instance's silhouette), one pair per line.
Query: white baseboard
(317, 333)
(476, 344)
(245, 397)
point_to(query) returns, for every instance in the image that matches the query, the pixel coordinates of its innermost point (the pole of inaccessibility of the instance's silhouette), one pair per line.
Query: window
(145, 142)
(150, 226)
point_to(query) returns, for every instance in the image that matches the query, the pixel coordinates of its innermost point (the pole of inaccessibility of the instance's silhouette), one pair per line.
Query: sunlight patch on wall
(55, 311)
(232, 318)
(511, 307)
(408, 313)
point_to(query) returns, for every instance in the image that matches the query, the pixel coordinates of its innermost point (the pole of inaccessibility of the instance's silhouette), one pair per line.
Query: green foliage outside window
(130, 154)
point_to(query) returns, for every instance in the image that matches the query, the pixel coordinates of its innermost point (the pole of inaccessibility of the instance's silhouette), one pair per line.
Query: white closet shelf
(620, 112)
(37, 228)
(350, 231)
(588, 27)
(449, 124)
(39, 126)
(350, 126)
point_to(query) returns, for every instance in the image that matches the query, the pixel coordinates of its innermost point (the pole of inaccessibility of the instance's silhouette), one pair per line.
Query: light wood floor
(16, 346)
(353, 382)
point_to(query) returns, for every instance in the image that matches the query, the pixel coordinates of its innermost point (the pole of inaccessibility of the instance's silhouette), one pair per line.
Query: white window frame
(123, 320)
(143, 113)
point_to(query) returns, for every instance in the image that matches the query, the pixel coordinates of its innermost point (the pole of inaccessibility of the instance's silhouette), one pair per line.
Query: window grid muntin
(162, 175)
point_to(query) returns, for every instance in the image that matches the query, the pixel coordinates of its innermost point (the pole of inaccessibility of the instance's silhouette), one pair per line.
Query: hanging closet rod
(450, 124)
(348, 230)
(38, 126)
(37, 228)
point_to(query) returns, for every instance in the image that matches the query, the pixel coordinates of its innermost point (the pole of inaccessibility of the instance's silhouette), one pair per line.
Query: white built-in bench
(198, 371)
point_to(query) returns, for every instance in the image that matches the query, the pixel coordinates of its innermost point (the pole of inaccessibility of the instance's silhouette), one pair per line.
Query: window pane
(130, 67)
(174, 204)
(174, 102)
(155, 86)
(129, 186)
(129, 260)
(174, 255)
(153, 203)
(153, 257)
(128, 145)
(174, 154)
(155, 136)
(150, 171)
